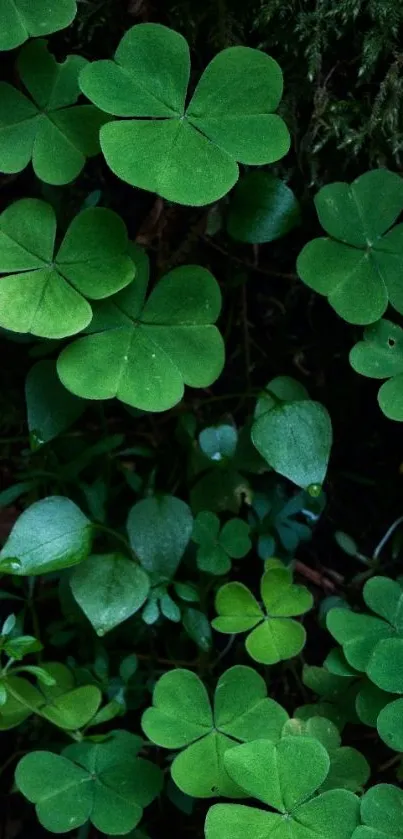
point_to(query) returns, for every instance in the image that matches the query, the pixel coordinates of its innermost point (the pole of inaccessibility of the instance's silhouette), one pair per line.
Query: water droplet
(16, 565)
(314, 490)
(216, 456)
(153, 355)
(100, 632)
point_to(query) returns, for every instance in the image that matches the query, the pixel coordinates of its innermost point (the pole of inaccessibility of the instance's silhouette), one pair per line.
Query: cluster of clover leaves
(358, 268)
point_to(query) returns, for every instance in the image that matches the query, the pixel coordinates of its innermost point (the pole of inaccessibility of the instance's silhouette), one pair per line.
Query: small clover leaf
(218, 546)
(374, 645)
(275, 636)
(48, 128)
(49, 535)
(348, 767)
(45, 293)
(381, 813)
(187, 153)
(144, 353)
(358, 266)
(380, 356)
(105, 783)
(273, 774)
(22, 19)
(109, 589)
(182, 718)
(293, 433)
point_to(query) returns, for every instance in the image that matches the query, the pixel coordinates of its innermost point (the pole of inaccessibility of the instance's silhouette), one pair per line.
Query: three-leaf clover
(374, 645)
(380, 356)
(358, 266)
(293, 433)
(49, 535)
(103, 782)
(185, 152)
(109, 589)
(45, 292)
(182, 718)
(47, 127)
(217, 546)
(286, 777)
(381, 813)
(275, 635)
(144, 352)
(22, 19)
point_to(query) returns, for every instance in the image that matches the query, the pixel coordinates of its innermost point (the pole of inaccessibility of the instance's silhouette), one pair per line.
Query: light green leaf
(262, 209)
(380, 355)
(159, 530)
(22, 19)
(358, 267)
(188, 155)
(49, 535)
(109, 589)
(48, 128)
(146, 357)
(181, 716)
(381, 813)
(45, 293)
(74, 709)
(390, 725)
(51, 408)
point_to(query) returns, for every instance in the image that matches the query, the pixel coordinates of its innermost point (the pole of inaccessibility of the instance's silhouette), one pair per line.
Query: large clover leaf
(21, 19)
(47, 128)
(182, 718)
(293, 433)
(187, 153)
(358, 267)
(275, 636)
(380, 356)
(45, 292)
(374, 645)
(285, 776)
(144, 353)
(381, 813)
(104, 782)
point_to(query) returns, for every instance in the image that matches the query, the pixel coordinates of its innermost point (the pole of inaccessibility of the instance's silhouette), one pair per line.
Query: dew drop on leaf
(314, 490)
(100, 632)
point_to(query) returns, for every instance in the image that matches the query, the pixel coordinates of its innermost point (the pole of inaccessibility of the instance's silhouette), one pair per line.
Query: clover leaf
(381, 813)
(374, 645)
(185, 153)
(275, 636)
(105, 783)
(145, 352)
(286, 777)
(47, 127)
(182, 718)
(45, 292)
(49, 535)
(358, 266)
(51, 409)
(262, 209)
(293, 433)
(380, 356)
(159, 530)
(22, 19)
(218, 546)
(109, 589)
(348, 767)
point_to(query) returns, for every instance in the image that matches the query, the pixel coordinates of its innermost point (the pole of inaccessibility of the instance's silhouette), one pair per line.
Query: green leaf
(159, 530)
(218, 442)
(262, 209)
(22, 699)
(188, 154)
(197, 626)
(293, 434)
(22, 19)
(74, 709)
(357, 267)
(50, 535)
(381, 813)
(181, 717)
(102, 782)
(47, 128)
(273, 774)
(51, 408)
(45, 293)
(380, 355)
(109, 589)
(218, 548)
(275, 636)
(145, 354)
(390, 725)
